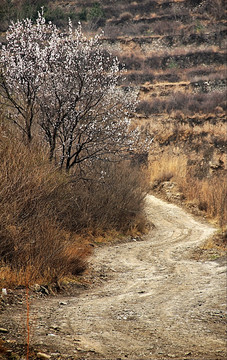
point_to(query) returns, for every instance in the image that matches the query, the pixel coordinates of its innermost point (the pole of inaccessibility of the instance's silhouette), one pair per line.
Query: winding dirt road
(152, 301)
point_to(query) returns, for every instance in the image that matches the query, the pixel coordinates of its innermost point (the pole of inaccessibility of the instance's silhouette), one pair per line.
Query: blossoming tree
(67, 85)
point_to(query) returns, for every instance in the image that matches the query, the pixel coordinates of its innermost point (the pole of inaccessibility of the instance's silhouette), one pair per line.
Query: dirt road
(152, 301)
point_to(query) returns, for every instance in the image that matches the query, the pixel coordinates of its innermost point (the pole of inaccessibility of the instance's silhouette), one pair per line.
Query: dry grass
(208, 194)
(43, 211)
(34, 246)
(194, 159)
(166, 167)
(46, 267)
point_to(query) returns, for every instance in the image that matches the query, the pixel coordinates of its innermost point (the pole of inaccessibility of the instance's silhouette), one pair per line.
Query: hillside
(175, 56)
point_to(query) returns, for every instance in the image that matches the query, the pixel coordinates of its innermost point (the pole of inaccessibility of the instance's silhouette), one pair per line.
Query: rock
(4, 292)
(42, 356)
(9, 352)
(179, 196)
(63, 303)
(36, 288)
(216, 164)
(55, 327)
(44, 290)
(2, 330)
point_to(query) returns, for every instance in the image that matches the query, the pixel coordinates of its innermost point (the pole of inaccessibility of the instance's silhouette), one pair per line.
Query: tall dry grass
(32, 242)
(208, 193)
(44, 211)
(166, 167)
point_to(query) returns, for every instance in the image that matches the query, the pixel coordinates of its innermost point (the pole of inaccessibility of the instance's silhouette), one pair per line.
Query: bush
(151, 107)
(186, 103)
(29, 232)
(134, 62)
(139, 78)
(163, 27)
(108, 198)
(208, 192)
(29, 9)
(118, 28)
(43, 210)
(58, 16)
(214, 8)
(169, 77)
(153, 62)
(95, 16)
(143, 8)
(126, 16)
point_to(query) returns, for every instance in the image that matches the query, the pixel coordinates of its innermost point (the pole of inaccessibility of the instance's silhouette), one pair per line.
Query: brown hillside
(175, 54)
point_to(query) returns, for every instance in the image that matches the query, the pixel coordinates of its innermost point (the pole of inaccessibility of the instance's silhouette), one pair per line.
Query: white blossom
(68, 85)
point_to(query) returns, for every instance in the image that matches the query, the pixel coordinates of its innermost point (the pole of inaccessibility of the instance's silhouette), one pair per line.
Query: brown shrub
(108, 199)
(30, 235)
(163, 27)
(143, 8)
(120, 28)
(125, 16)
(214, 8)
(134, 62)
(42, 210)
(188, 104)
(169, 77)
(154, 106)
(139, 78)
(210, 194)
(112, 31)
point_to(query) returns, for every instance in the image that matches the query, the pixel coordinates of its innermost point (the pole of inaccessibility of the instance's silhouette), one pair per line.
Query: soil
(147, 299)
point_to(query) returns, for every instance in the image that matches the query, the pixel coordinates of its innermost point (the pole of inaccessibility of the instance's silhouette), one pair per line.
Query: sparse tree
(68, 85)
(22, 64)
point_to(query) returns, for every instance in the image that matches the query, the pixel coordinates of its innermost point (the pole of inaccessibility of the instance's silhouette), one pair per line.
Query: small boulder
(44, 290)
(42, 356)
(4, 292)
(36, 288)
(2, 330)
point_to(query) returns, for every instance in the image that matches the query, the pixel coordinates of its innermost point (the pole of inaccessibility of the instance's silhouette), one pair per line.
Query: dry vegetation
(49, 218)
(208, 194)
(175, 54)
(179, 66)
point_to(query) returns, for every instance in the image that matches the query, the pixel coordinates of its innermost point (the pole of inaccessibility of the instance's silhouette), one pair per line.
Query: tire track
(152, 302)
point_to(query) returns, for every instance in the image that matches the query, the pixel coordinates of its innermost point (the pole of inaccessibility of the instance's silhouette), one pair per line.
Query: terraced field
(174, 53)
